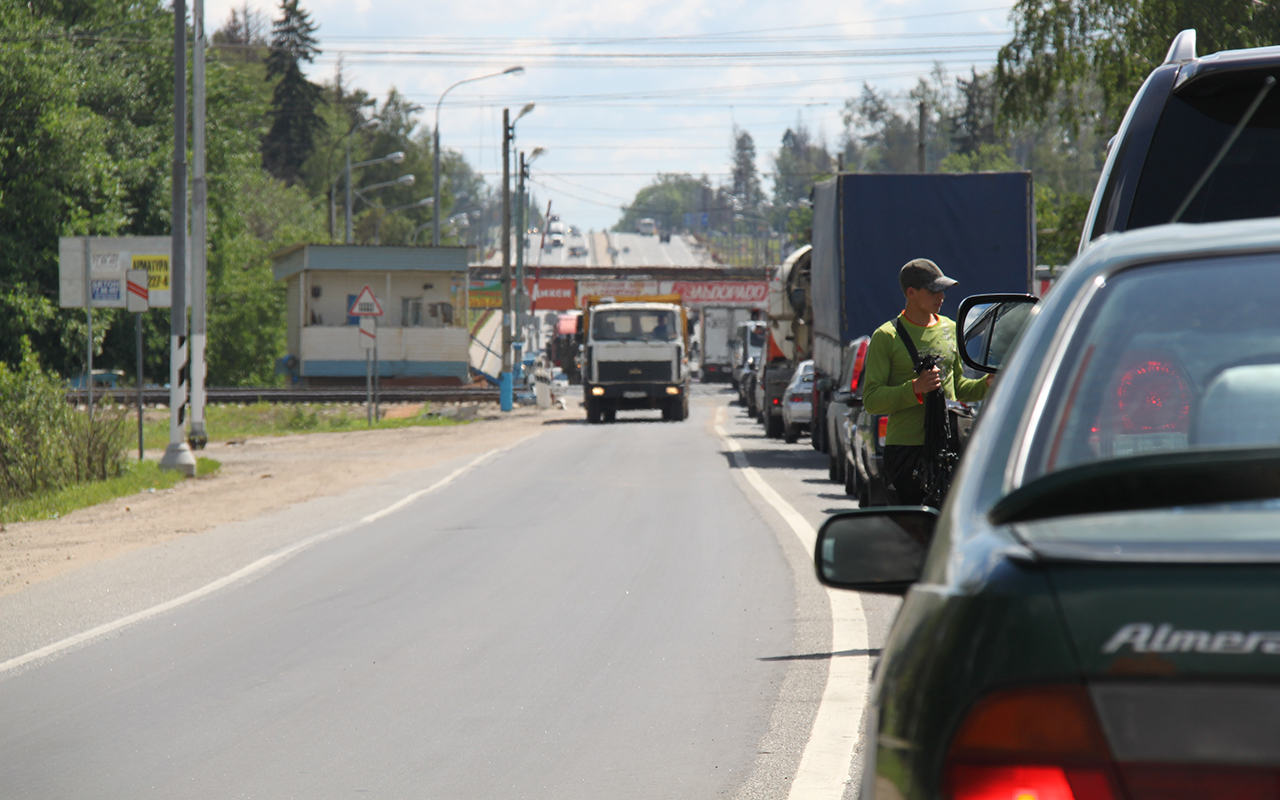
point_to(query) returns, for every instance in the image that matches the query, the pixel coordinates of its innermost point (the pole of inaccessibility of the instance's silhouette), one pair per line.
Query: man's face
(926, 300)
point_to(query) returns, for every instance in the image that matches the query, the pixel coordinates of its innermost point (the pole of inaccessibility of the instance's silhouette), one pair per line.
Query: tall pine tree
(294, 121)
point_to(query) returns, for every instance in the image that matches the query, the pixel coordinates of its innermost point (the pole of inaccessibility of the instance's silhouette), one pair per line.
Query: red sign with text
(552, 294)
(722, 293)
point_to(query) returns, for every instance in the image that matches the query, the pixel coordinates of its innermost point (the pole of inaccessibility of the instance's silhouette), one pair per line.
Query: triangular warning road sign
(366, 305)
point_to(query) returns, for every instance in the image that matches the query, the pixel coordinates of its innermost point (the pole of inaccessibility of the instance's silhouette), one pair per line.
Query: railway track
(398, 394)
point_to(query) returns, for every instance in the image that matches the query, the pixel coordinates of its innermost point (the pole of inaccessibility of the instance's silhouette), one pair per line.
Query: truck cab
(635, 355)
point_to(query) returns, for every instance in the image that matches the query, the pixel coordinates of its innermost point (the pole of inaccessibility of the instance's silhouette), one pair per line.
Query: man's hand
(927, 381)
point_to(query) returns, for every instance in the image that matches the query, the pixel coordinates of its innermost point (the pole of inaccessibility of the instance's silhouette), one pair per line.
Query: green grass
(224, 422)
(138, 476)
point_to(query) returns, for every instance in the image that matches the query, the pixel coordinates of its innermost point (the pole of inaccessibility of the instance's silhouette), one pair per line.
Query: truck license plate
(633, 395)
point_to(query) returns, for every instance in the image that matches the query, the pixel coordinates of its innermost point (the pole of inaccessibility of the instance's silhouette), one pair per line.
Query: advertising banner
(110, 257)
(486, 294)
(552, 294)
(722, 293)
(621, 288)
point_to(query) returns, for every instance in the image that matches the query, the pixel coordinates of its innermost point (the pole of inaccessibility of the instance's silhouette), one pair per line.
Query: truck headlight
(673, 390)
(597, 390)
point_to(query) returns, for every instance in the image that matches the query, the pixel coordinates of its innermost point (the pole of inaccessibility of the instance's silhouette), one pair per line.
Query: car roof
(1229, 61)
(1173, 242)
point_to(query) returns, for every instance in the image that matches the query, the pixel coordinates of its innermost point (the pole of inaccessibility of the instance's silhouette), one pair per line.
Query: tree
(666, 200)
(243, 34)
(746, 181)
(1061, 48)
(798, 164)
(295, 121)
(974, 124)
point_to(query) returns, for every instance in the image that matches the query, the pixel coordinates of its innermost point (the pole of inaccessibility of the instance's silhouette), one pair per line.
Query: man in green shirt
(892, 384)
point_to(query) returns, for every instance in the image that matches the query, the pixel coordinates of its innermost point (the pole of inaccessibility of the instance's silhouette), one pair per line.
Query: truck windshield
(1195, 124)
(757, 339)
(643, 325)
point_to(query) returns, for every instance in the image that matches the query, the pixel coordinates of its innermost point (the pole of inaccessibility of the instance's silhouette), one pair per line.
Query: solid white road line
(828, 755)
(243, 572)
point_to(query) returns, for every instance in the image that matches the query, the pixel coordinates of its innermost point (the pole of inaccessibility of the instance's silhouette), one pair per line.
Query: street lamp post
(522, 225)
(505, 388)
(377, 231)
(435, 134)
(391, 158)
(333, 184)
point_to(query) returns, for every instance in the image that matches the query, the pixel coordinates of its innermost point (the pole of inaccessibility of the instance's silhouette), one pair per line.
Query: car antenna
(1222, 152)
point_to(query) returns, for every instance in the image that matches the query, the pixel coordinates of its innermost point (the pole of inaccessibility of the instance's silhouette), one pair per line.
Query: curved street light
(435, 163)
(377, 229)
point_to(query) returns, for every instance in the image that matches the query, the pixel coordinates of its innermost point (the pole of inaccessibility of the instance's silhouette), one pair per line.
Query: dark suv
(1176, 129)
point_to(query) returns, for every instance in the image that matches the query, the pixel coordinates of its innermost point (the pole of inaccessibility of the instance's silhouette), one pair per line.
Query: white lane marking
(256, 566)
(828, 755)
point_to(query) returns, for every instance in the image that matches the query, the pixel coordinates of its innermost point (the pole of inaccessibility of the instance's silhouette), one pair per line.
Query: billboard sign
(110, 258)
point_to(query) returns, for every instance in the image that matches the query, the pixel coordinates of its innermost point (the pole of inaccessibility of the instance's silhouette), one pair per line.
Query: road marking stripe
(256, 566)
(828, 755)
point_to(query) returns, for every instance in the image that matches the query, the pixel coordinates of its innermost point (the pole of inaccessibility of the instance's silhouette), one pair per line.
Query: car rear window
(1168, 357)
(1195, 123)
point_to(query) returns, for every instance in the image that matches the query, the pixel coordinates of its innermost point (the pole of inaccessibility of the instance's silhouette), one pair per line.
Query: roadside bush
(45, 444)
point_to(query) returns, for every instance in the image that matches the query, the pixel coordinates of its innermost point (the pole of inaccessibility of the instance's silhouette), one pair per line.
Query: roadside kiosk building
(422, 334)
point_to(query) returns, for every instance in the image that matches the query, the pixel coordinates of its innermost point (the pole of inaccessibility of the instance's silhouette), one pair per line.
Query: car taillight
(858, 361)
(1045, 743)
(777, 401)
(1036, 743)
(1152, 397)
(883, 429)
(797, 398)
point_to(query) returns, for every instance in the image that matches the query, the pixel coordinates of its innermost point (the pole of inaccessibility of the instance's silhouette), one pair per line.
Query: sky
(627, 89)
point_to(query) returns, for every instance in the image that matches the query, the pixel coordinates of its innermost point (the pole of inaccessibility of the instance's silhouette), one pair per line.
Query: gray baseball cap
(921, 273)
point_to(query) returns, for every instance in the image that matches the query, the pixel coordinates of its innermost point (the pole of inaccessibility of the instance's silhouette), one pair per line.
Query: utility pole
(521, 227)
(920, 140)
(504, 380)
(199, 233)
(178, 455)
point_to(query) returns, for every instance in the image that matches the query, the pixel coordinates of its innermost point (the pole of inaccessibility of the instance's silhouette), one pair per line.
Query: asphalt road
(602, 610)
(635, 250)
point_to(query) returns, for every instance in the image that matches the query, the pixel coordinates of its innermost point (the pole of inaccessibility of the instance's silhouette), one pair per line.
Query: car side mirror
(877, 550)
(825, 384)
(992, 325)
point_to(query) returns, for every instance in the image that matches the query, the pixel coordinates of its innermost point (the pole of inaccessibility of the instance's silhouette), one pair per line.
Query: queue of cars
(1091, 613)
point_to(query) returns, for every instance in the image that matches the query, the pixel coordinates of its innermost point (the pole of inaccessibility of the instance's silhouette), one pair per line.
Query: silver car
(797, 403)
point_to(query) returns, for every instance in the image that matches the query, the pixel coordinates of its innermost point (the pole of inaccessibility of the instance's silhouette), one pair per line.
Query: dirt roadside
(258, 476)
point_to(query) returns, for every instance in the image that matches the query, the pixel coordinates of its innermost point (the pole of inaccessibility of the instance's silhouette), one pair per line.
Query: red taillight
(1153, 397)
(858, 362)
(1028, 782)
(797, 398)
(883, 428)
(1040, 743)
(777, 401)
(1045, 743)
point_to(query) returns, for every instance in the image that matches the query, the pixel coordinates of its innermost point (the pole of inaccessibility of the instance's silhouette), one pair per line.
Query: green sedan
(1095, 612)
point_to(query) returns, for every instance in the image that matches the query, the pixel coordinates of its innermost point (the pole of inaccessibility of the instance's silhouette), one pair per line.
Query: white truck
(719, 325)
(635, 355)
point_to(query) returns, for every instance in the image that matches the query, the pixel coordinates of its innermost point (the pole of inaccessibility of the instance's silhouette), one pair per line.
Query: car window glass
(1169, 357)
(975, 336)
(1194, 125)
(1009, 321)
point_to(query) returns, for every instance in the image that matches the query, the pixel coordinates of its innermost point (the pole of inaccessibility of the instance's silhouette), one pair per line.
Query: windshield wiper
(1156, 480)
(1222, 151)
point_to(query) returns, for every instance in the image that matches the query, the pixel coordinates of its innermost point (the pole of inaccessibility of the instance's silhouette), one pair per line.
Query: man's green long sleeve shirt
(888, 373)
